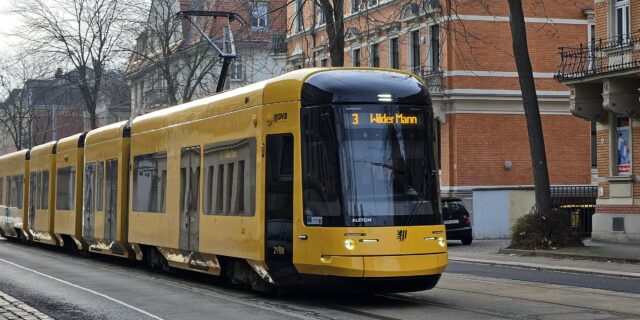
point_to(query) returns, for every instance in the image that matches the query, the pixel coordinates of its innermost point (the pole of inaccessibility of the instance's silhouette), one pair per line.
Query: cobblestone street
(13, 309)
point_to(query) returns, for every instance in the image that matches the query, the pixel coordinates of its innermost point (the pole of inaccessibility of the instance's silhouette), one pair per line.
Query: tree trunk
(531, 109)
(335, 30)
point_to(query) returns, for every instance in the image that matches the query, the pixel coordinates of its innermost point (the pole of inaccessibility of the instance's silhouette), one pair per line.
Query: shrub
(538, 230)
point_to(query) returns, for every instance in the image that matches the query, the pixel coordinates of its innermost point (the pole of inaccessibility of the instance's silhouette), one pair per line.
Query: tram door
(189, 195)
(111, 201)
(89, 205)
(279, 207)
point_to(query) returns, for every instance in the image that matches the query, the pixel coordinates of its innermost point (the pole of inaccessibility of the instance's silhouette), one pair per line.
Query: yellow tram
(319, 177)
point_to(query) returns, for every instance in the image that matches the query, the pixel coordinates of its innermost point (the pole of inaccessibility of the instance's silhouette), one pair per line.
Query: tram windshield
(368, 165)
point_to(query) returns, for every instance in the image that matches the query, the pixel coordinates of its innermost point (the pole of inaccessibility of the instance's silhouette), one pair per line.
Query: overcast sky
(7, 24)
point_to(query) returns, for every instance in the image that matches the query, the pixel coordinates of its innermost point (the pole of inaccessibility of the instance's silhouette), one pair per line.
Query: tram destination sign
(374, 119)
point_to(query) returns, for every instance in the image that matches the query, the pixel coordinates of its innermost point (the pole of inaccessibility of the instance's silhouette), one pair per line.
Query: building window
(415, 51)
(321, 18)
(356, 58)
(621, 21)
(355, 6)
(259, 16)
(394, 54)
(236, 70)
(324, 62)
(622, 152)
(298, 16)
(434, 32)
(591, 36)
(375, 55)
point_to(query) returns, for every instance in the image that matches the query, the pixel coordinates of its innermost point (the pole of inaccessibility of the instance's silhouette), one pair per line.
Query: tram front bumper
(384, 266)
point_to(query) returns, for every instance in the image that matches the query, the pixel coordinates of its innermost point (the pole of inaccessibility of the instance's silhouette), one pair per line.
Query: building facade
(179, 66)
(462, 49)
(605, 89)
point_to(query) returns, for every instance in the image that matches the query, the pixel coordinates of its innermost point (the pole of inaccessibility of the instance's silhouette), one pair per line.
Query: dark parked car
(457, 220)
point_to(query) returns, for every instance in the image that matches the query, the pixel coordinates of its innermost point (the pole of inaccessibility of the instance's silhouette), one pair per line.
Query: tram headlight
(349, 244)
(442, 242)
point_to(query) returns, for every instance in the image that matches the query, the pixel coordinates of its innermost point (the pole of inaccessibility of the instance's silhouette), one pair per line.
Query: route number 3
(356, 119)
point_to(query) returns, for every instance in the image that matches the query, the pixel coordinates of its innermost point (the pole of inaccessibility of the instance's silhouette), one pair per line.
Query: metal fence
(580, 201)
(615, 54)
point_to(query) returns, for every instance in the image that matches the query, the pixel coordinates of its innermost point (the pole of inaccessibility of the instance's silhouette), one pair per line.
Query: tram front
(370, 197)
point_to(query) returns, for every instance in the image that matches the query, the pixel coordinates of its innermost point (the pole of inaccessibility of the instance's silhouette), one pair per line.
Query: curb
(545, 253)
(545, 267)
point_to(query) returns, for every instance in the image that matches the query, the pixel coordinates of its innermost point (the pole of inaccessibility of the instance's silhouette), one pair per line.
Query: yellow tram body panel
(229, 116)
(69, 174)
(14, 195)
(43, 162)
(105, 221)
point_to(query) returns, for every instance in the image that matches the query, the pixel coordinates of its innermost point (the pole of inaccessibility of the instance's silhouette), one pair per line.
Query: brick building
(462, 49)
(171, 59)
(602, 74)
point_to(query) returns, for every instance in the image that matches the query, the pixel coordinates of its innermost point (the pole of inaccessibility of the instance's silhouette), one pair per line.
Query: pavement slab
(11, 308)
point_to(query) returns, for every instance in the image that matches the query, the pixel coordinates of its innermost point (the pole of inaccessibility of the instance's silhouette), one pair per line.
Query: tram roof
(107, 133)
(17, 155)
(284, 88)
(44, 149)
(287, 87)
(72, 142)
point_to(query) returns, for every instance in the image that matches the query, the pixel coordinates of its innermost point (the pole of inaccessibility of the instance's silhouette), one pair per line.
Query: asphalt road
(70, 287)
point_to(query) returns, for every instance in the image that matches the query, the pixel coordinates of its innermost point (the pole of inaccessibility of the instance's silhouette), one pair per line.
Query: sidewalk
(13, 309)
(616, 260)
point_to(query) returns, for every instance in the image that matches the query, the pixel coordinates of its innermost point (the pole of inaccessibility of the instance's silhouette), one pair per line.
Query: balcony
(432, 78)
(601, 58)
(155, 97)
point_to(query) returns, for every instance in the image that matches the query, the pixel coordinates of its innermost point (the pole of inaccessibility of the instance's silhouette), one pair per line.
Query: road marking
(84, 289)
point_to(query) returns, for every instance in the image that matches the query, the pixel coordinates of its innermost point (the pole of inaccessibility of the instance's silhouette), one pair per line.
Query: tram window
(220, 189)
(279, 180)
(65, 188)
(150, 182)
(14, 191)
(44, 196)
(190, 179)
(33, 190)
(89, 186)
(229, 186)
(112, 185)
(99, 186)
(1, 190)
(37, 182)
(240, 188)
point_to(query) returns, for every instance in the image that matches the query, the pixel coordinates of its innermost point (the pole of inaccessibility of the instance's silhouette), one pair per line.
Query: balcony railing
(155, 97)
(605, 56)
(433, 78)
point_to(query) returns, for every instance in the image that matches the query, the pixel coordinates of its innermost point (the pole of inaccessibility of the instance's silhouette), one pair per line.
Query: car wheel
(467, 241)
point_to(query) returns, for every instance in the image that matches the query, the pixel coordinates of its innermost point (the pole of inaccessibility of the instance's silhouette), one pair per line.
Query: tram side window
(65, 188)
(112, 185)
(14, 191)
(1, 190)
(89, 186)
(150, 182)
(44, 196)
(99, 185)
(33, 190)
(230, 178)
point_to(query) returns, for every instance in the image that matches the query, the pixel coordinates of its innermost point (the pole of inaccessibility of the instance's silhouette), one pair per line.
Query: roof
(18, 155)
(287, 87)
(44, 149)
(69, 143)
(107, 133)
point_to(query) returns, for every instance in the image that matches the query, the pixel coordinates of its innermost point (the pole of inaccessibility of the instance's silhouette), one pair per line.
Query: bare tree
(178, 54)
(15, 115)
(531, 109)
(83, 34)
